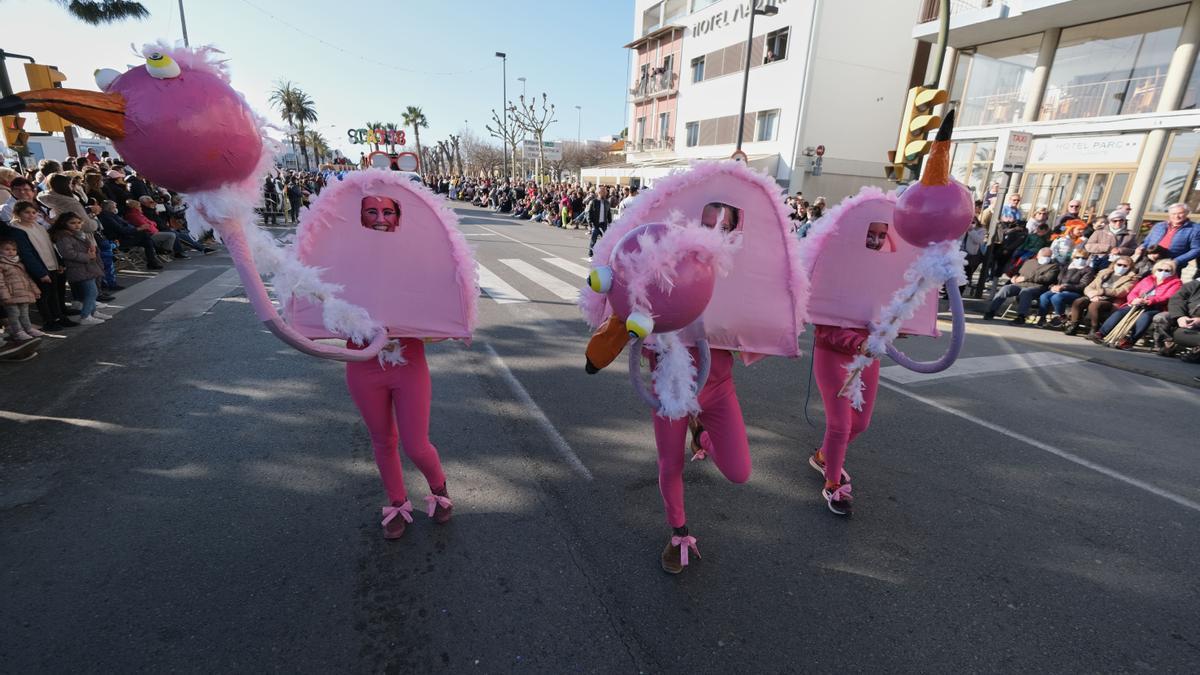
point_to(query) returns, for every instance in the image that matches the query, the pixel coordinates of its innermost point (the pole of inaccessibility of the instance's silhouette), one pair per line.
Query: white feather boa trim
(939, 263)
(674, 378)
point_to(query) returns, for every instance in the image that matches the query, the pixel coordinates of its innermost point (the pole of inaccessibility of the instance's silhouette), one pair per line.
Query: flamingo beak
(99, 112)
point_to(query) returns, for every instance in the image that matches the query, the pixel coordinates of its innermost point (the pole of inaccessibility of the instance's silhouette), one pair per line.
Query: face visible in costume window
(717, 214)
(381, 214)
(877, 235)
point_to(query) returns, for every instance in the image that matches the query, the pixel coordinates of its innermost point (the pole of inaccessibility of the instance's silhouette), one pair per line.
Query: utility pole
(767, 10)
(504, 107)
(183, 22)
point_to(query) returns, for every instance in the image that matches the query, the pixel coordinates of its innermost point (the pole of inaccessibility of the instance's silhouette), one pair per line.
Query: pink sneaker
(35, 332)
(396, 519)
(817, 462)
(439, 507)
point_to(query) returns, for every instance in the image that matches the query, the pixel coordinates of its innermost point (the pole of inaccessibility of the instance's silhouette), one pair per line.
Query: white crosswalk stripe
(544, 279)
(498, 289)
(578, 270)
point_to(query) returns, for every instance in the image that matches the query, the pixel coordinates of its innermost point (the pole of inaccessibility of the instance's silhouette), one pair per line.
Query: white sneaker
(35, 332)
(102, 316)
(91, 321)
(22, 336)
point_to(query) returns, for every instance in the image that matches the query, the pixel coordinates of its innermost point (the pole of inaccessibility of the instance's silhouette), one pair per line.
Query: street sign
(552, 150)
(1012, 150)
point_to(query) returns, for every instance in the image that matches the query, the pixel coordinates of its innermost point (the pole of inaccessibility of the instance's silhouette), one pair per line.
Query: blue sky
(367, 59)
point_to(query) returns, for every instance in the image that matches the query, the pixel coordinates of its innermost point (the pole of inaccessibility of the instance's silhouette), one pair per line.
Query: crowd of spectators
(286, 192)
(67, 228)
(1093, 279)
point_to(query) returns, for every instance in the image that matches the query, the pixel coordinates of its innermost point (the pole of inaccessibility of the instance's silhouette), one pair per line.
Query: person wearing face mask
(1149, 258)
(1177, 330)
(1107, 290)
(1150, 295)
(1073, 278)
(1110, 233)
(1034, 279)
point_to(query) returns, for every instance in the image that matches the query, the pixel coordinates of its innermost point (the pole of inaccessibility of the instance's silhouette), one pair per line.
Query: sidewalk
(1137, 360)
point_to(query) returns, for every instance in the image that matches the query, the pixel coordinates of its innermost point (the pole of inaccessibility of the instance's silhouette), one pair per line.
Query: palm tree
(296, 108)
(413, 117)
(391, 127)
(320, 146)
(371, 127)
(96, 12)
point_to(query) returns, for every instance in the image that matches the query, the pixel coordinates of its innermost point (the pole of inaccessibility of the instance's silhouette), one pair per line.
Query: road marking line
(501, 234)
(1046, 447)
(579, 271)
(556, 439)
(544, 279)
(199, 301)
(497, 288)
(981, 365)
(144, 289)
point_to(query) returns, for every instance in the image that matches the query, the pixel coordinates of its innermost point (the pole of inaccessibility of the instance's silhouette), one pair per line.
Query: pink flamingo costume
(756, 309)
(178, 122)
(875, 263)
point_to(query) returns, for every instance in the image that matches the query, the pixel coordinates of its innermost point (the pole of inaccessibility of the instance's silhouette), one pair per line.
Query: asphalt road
(179, 491)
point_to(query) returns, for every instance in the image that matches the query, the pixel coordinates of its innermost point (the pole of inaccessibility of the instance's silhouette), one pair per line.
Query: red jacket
(1162, 292)
(140, 221)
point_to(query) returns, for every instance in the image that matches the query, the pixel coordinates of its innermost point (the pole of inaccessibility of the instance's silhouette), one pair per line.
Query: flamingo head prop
(174, 118)
(938, 208)
(662, 277)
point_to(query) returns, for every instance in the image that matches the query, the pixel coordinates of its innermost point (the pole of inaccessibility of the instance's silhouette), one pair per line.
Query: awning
(652, 35)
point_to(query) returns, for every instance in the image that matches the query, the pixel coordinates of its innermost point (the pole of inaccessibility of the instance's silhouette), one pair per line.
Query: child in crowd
(78, 250)
(17, 293)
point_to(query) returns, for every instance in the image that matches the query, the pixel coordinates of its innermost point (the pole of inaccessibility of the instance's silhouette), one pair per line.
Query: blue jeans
(1139, 327)
(85, 292)
(1025, 297)
(1059, 301)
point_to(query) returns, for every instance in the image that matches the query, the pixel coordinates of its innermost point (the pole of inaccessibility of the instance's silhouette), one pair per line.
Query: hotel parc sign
(1115, 149)
(728, 17)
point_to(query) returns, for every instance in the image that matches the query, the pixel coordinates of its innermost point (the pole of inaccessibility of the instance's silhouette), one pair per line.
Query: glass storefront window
(998, 81)
(1114, 67)
(1178, 179)
(972, 165)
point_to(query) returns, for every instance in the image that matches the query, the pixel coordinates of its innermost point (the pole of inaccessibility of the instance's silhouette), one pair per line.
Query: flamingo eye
(161, 66)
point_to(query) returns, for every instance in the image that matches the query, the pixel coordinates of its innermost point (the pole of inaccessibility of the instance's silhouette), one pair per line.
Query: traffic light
(918, 121)
(14, 133)
(46, 77)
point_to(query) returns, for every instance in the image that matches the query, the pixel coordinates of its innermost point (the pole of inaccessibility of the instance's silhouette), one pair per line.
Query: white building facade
(1109, 90)
(829, 73)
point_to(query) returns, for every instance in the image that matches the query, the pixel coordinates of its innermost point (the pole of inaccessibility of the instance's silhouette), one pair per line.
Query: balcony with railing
(655, 85)
(1122, 96)
(929, 8)
(655, 144)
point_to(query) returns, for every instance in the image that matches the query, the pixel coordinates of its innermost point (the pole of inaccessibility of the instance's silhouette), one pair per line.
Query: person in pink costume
(756, 310)
(377, 260)
(875, 263)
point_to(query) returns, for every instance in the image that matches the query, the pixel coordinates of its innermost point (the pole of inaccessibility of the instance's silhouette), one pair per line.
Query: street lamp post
(183, 23)
(766, 10)
(504, 107)
(579, 124)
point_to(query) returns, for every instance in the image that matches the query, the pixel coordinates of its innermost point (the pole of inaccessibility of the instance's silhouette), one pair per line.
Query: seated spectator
(1034, 241)
(1178, 329)
(126, 236)
(62, 199)
(1041, 216)
(159, 214)
(1062, 245)
(1034, 278)
(1109, 233)
(164, 241)
(1150, 256)
(1150, 295)
(1074, 277)
(1178, 235)
(1107, 290)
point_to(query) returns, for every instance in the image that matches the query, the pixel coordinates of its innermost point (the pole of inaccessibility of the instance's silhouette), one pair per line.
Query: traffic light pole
(5, 83)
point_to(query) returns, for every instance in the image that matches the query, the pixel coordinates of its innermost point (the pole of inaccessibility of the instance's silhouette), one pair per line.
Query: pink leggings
(842, 422)
(722, 419)
(394, 402)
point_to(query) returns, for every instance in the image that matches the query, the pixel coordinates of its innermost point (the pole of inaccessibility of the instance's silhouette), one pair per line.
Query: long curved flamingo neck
(234, 238)
(958, 333)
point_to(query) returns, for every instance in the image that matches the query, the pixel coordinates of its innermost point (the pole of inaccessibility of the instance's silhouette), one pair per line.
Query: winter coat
(60, 204)
(1037, 274)
(16, 288)
(80, 266)
(30, 258)
(1117, 291)
(1185, 243)
(1155, 294)
(1103, 241)
(1185, 302)
(1075, 280)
